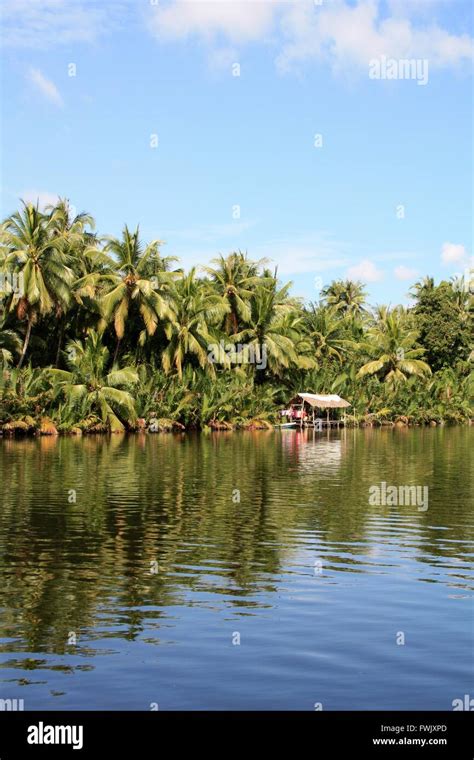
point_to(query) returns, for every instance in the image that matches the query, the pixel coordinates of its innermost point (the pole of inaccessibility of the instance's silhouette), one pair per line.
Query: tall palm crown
(393, 343)
(65, 224)
(77, 242)
(266, 326)
(38, 255)
(346, 296)
(131, 282)
(190, 330)
(327, 332)
(422, 286)
(235, 277)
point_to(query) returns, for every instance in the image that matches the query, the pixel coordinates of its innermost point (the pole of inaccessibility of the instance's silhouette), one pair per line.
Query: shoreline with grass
(29, 427)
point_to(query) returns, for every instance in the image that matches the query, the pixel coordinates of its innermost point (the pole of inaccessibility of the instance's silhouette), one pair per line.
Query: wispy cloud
(240, 21)
(344, 34)
(366, 271)
(224, 234)
(45, 86)
(453, 253)
(41, 24)
(405, 273)
(316, 253)
(41, 197)
(349, 35)
(416, 7)
(311, 254)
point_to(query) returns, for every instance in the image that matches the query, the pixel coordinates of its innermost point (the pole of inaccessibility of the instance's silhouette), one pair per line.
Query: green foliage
(443, 316)
(99, 334)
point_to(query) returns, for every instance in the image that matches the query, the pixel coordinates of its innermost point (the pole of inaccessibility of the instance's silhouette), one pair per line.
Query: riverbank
(28, 426)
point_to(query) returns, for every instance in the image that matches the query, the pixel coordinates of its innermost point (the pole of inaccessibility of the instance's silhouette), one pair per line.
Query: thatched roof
(324, 402)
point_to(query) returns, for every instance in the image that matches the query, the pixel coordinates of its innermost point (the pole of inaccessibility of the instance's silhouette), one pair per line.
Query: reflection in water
(127, 564)
(319, 452)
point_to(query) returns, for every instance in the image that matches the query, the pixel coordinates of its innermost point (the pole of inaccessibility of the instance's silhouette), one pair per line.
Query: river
(237, 571)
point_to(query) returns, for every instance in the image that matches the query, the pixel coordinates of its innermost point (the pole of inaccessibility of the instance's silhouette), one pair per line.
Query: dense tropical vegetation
(99, 334)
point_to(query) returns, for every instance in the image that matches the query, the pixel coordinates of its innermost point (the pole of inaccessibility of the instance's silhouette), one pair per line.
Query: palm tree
(422, 286)
(265, 333)
(132, 283)
(93, 268)
(346, 296)
(71, 228)
(88, 383)
(190, 329)
(35, 253)
(24, 392)
(328, 333)
(77, 242)
(393, 342)
(462, 295)
(10, 345)
(293, 326)
(235, 278)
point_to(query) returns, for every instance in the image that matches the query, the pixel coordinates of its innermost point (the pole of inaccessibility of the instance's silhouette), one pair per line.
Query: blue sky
(384, 195)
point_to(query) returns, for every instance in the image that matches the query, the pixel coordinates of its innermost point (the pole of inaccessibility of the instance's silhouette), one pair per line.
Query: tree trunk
(25, 344)
(61, 334)
(116, 350)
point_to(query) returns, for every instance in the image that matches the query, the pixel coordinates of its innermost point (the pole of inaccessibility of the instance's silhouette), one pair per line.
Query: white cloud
(345, 33)
(41, 197)
(366, 271)
(453, 253)
(311, 254)
(349, 36)
(415, 7)
(42, 24)
(405, 273)
(317, 253)
(45, 86)
(237, 20)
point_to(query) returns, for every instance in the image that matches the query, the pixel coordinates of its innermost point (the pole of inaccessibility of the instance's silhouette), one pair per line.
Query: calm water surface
(158, 569)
